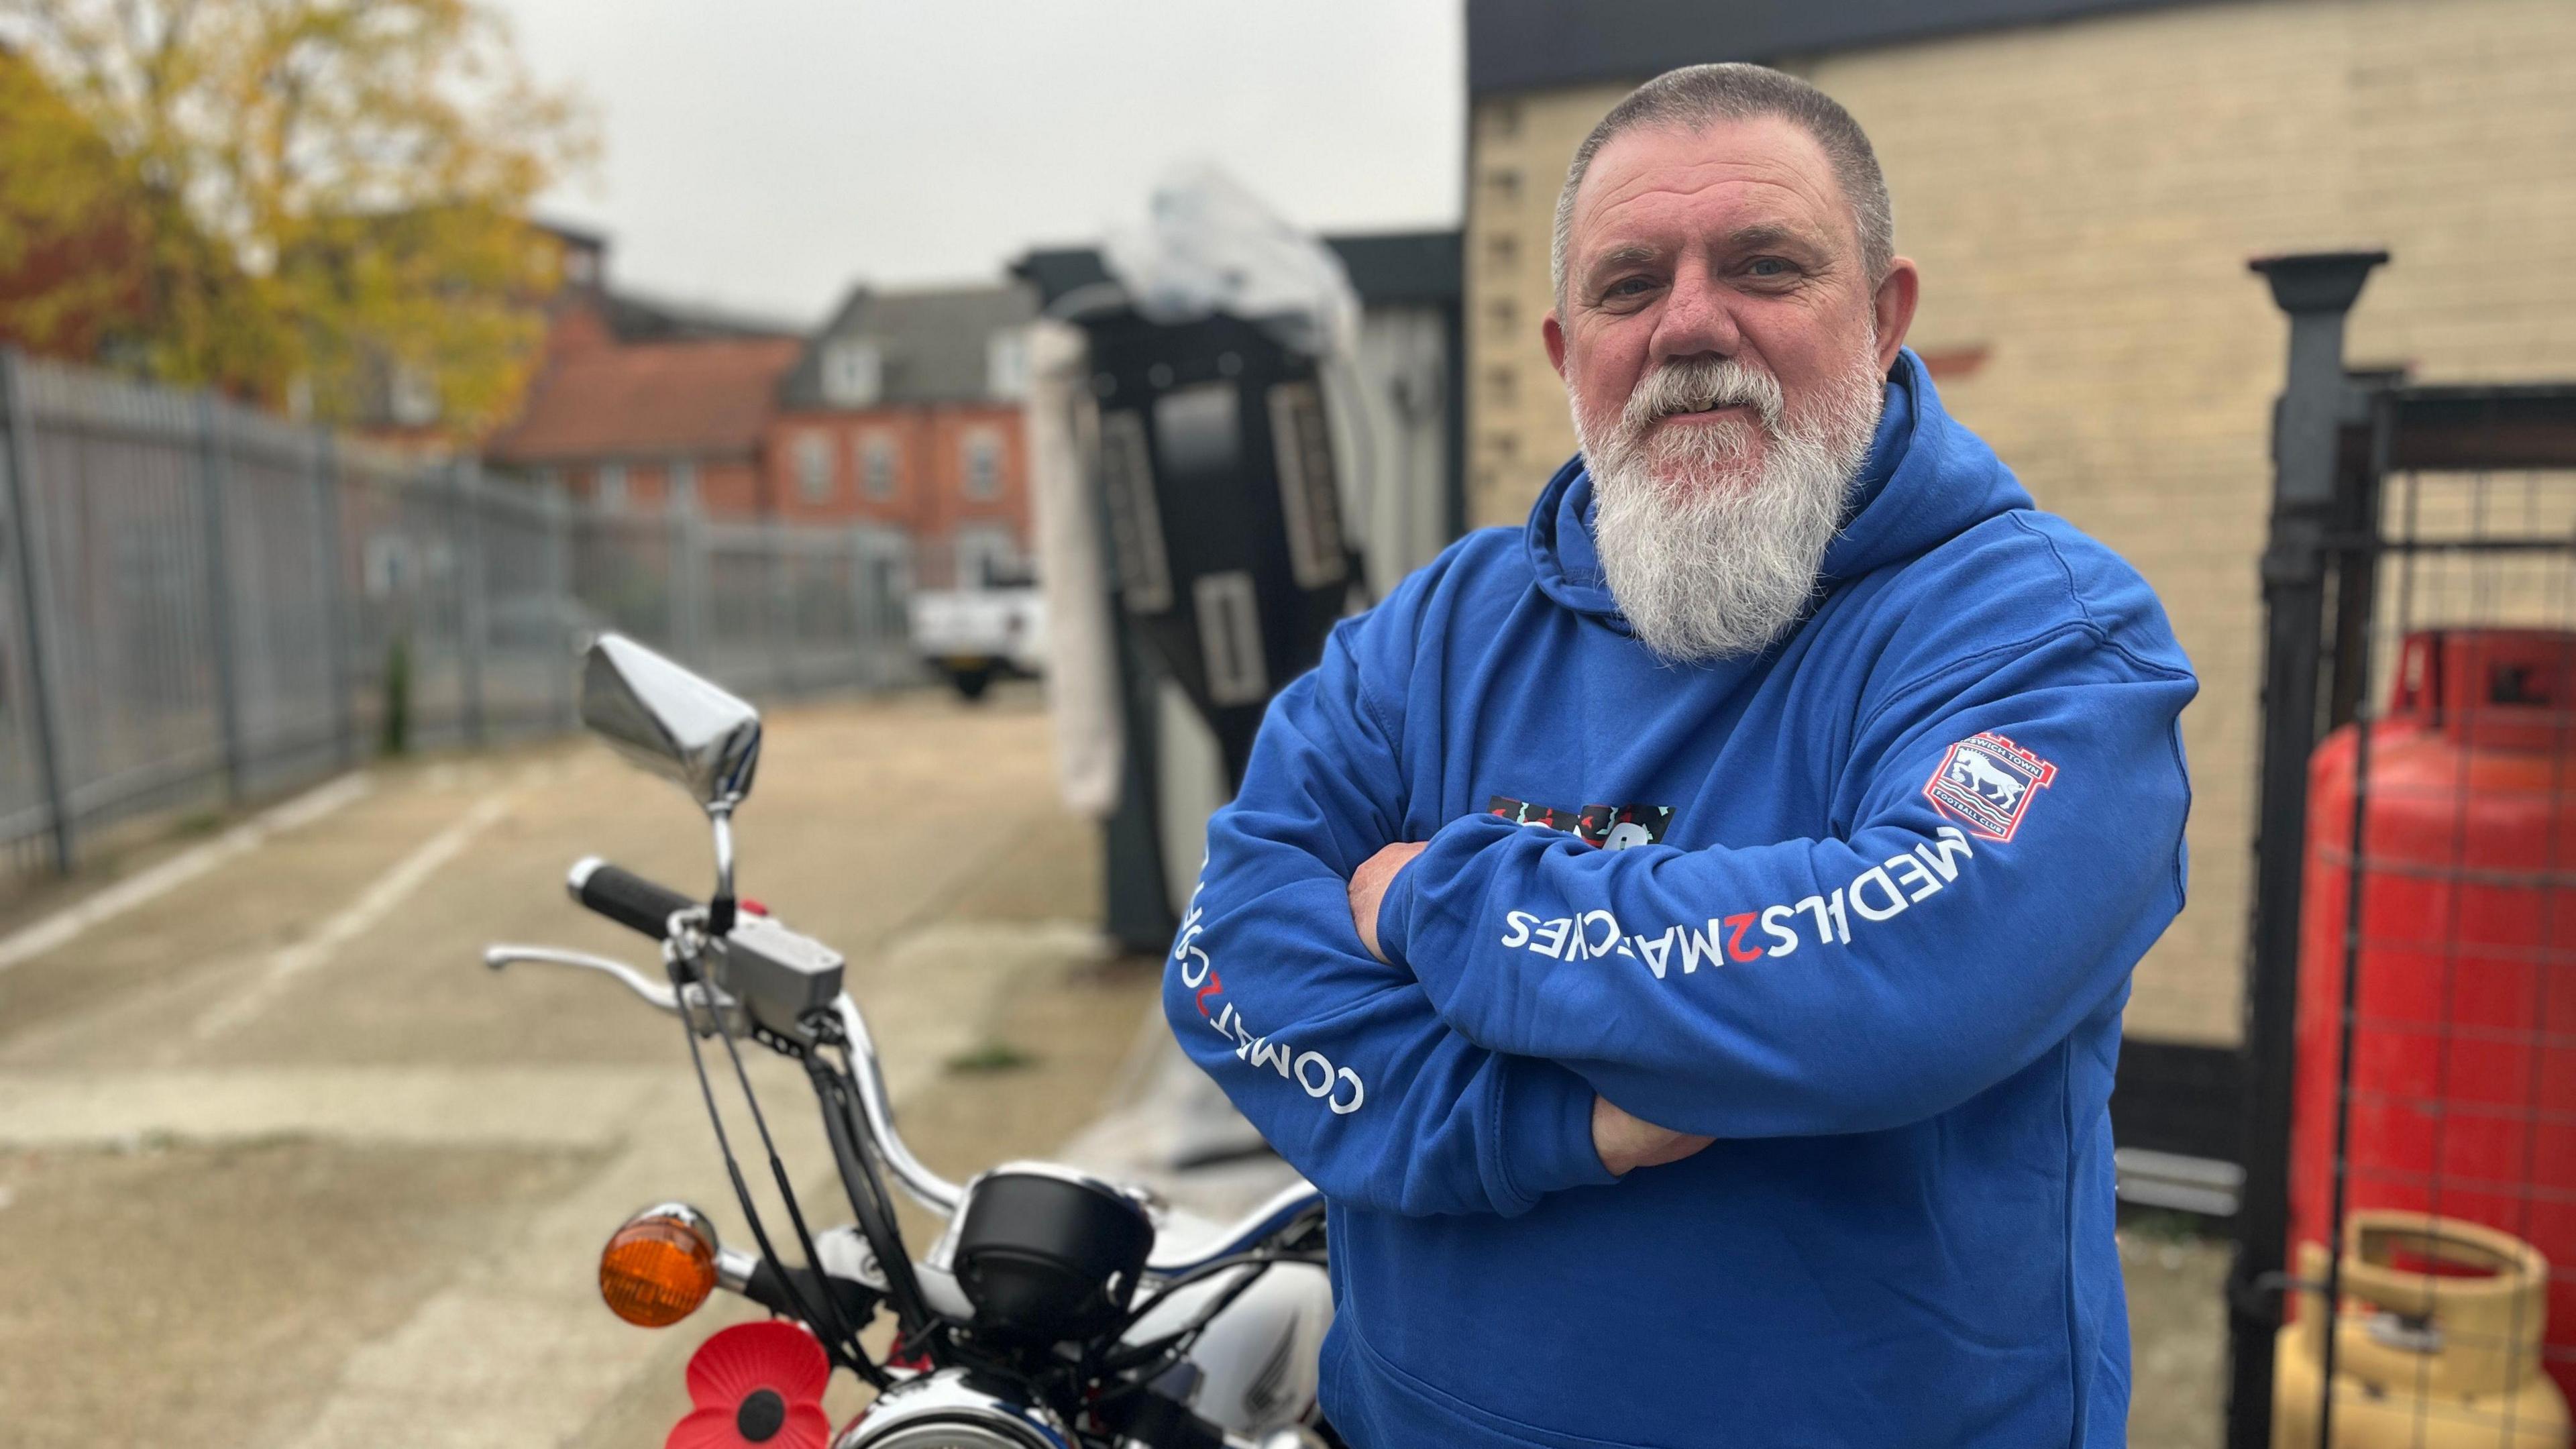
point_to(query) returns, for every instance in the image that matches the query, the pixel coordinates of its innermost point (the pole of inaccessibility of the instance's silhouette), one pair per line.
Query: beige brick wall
(2082, 199)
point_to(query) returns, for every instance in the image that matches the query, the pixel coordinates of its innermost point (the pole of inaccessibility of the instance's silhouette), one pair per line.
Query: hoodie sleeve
(2016, 846)
(1339, 1059)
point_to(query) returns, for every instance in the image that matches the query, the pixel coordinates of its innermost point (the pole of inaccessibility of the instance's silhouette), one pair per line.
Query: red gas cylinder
(2463, 1080)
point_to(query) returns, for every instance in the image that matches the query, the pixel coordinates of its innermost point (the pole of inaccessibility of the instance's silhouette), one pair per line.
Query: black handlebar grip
(625, 897)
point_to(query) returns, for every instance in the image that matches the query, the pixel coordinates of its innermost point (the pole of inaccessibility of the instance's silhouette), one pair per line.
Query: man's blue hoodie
(1866, 915)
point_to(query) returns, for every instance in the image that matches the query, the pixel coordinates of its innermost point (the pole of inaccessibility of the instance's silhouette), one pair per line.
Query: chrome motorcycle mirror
(672, 722)
(686, 729)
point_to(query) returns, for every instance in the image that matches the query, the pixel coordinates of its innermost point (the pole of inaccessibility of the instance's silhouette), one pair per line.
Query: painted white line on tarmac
(412, 1106)
(61, 928)
(517, 1351)
(357, 918)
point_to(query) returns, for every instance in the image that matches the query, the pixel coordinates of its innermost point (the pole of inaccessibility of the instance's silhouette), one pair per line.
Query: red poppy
(756, 1386)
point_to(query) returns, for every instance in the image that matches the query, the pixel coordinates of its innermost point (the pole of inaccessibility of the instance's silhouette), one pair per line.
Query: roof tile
(702, 398)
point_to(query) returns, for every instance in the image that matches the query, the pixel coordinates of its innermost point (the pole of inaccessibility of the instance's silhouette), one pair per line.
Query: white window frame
(853, 373)
(878, 462)
(1006, 364)
(609, 487)
(982, 481)
(813, 454)
(681, 482)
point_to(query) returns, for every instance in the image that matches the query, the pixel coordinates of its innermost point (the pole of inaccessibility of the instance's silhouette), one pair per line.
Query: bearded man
(1786, 1121)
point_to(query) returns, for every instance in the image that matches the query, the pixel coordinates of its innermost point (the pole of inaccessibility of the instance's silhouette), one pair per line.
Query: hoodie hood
(1925, 481)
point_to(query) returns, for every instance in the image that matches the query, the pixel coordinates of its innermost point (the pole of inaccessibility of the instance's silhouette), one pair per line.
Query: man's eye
(1628, 287)
(1769, 267)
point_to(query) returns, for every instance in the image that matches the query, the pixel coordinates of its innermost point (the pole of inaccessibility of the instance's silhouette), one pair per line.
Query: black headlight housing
(1048, 1256)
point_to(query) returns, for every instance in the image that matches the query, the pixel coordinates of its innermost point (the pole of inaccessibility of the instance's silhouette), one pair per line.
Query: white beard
(1709, 556)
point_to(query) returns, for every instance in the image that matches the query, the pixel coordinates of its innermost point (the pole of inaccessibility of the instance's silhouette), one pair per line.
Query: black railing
(2445, 515)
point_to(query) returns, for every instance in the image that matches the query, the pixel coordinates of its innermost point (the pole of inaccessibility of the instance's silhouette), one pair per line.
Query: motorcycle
(1054, 1311)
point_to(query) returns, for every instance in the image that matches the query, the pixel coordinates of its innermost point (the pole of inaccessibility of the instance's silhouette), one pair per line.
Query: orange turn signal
(659, 1267)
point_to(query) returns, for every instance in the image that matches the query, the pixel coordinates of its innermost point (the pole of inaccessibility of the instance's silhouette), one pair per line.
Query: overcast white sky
(767, 153)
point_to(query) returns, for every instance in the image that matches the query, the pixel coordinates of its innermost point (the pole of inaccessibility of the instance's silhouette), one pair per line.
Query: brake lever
(656, 995)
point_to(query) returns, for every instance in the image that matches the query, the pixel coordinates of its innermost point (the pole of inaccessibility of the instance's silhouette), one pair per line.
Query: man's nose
(1698, 318)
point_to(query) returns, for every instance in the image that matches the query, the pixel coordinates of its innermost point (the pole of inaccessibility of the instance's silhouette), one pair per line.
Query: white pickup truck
(974, 635)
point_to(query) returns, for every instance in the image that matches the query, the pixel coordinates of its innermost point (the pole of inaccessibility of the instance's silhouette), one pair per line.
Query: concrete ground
(2177, 1334)
(282, 1165)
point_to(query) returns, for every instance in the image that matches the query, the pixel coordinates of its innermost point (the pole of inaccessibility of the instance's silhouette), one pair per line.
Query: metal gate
(2411, 1033)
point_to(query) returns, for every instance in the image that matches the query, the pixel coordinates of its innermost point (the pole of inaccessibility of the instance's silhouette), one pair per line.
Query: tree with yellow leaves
(291, 199)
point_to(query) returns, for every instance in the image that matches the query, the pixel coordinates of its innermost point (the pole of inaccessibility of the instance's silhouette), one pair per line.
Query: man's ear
(1893, 307)
(1553, 333)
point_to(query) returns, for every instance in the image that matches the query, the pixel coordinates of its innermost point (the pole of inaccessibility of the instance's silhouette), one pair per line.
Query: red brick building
(904, 409)
(636, 401)
(633, 425)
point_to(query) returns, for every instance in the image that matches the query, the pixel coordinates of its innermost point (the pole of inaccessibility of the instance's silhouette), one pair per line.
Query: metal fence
(199, 602)
(2410, 1204)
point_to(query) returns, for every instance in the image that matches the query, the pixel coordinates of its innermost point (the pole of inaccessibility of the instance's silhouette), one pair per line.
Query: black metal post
(688, 596)
(466, 477)
(214, 467)
(1138, 904)
(27, 555)
(564, 636)
(336, 629)
(782, 607)
(2316, 291)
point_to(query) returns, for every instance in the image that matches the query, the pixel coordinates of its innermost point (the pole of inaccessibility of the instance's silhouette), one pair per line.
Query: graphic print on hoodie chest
(1878, 893)
(1610, 827)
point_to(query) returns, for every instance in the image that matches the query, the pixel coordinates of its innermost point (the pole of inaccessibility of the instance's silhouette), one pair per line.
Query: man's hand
(1626, 1142)
(1368, 888)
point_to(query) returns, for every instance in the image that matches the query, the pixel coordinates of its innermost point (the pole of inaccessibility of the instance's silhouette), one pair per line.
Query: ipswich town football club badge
(1986, 782)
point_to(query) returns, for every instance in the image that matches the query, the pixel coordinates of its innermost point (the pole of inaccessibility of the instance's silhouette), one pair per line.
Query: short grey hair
(1697, 96)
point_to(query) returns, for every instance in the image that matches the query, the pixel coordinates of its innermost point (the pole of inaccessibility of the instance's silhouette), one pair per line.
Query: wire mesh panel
(821, 615)
(880, 582)
(530, 624)
(836, 615)
(117, 505)
(400, 529)
(626, 576)
(278, 565)
(26, 786)
(2432, 1191)
(884, 561)
(198, 602)
(744, 642)
(764, 608)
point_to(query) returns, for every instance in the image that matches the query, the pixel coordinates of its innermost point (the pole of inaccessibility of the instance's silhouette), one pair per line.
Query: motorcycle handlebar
(943, 1197)
(625, 897)
(752, 1277)
(641, 905)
